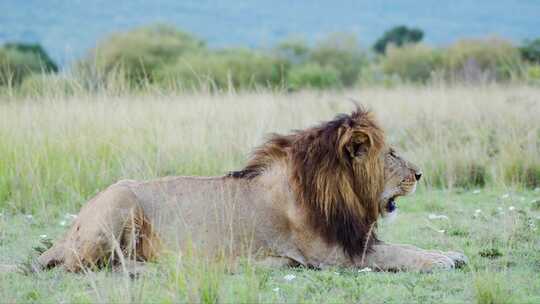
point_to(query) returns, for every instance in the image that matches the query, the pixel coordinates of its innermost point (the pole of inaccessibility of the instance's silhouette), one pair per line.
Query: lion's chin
(390, 206)
(390, 217)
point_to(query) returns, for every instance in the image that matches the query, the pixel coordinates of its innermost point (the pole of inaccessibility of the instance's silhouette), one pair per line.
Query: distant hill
(68, 28)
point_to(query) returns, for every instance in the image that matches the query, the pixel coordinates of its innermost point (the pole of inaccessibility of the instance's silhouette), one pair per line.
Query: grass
(478, 147)
(508, 277)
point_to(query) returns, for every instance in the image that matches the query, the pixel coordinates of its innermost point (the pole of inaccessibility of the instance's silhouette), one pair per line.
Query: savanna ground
(479, 148)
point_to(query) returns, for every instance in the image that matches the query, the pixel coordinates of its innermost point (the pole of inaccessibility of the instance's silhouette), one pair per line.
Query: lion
(310, 198)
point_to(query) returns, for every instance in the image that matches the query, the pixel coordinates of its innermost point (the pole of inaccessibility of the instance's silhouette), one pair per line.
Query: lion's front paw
(459, 259)
(433, 261)
(443, 260)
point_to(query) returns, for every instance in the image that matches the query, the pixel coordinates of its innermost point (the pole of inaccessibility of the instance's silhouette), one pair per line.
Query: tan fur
(336, 175)
(310, 198)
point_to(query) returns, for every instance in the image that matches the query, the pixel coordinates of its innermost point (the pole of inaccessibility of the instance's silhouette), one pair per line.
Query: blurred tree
(487, 59)
(398, 36)
(224, 69)
(530, 50)
(138, 54)
(294, 50)
(341, 52)
(19, 60)
(412, 63)
(313, 76)
(37, 51)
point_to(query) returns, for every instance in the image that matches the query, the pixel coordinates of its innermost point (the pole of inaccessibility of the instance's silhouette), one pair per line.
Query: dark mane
(337, 176)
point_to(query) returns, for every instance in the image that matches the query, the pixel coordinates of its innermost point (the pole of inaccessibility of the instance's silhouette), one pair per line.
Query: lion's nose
(418, 175)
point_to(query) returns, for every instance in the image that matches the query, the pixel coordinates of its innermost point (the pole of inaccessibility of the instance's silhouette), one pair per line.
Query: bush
(341, 53)
(482, 60)
(295, 51)
(19, 60)
(313, 75)
(530, 51)
(231, 68)
(490, 288)
(398, 36)
(136, 55)
(414, 63)
(533, 74)
(50, 85)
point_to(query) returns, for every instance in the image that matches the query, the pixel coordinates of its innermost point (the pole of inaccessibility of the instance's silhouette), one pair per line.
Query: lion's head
(400, 179)
(337, 175)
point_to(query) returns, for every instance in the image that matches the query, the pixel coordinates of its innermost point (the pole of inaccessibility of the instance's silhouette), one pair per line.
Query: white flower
(367, 269)
(532, 225)
(63, 223)
(42, 236)
(276, 289)
(511, 208)
(441, 231)
(476, 191)
(432, 216)
(477, 213)
(289, 277)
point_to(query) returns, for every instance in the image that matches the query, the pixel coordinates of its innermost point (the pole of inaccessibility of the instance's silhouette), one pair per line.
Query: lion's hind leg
(137, 241)
(109, 229)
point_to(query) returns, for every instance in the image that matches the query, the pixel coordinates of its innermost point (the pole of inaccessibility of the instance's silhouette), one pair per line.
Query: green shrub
(295, 51)
(533, 74)
(50, 85)
(398, 36)
(19, 60)
(412, 63)
(312, 75)
(530, 50)
(469, 175)
(136, 55)
(231, 68)
(342, 53)
(490, 288)
(490, 59)
(520, 171)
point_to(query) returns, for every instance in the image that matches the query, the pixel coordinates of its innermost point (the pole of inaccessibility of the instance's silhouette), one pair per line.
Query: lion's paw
(459, 259)
(435, 261)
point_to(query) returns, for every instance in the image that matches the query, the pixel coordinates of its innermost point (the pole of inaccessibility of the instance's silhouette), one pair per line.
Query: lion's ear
(359, 144)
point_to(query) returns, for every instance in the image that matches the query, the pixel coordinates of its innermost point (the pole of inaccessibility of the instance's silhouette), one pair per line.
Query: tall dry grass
(56, 151)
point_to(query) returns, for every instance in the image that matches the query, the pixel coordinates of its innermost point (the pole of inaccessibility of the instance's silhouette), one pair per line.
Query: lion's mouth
(391, 204)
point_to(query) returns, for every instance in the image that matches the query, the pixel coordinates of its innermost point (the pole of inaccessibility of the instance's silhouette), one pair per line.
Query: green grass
(511, 277)
(479, 149)
(58, 152)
